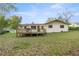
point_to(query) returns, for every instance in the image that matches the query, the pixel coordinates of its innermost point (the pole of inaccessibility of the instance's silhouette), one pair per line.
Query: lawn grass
(49, 44)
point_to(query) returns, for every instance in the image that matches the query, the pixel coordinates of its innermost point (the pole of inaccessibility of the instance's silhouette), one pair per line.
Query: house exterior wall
(56, 27)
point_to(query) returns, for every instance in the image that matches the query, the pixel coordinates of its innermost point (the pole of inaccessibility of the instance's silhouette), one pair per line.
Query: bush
(3, 31)
(73, 28)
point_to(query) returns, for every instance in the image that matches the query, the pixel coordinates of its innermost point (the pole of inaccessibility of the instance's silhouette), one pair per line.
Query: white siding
(56, 27)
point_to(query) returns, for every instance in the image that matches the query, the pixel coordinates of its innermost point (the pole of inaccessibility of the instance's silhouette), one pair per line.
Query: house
(56, 26)
(49, 27)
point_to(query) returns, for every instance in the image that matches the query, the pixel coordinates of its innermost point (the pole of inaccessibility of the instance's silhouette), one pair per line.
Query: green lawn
(49, 44)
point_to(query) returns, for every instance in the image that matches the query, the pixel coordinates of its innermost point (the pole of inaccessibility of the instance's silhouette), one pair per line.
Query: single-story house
(49, 27)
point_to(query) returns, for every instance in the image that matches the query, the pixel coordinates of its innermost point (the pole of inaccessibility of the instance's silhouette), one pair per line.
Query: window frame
(61, 26)
(32, 27)
(50, 26)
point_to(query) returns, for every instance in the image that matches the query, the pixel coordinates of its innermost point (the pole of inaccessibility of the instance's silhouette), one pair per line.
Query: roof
(56, 21)
(29, 24)
(44, 23)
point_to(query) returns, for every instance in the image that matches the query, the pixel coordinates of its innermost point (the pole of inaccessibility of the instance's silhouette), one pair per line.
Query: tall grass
(49, 44)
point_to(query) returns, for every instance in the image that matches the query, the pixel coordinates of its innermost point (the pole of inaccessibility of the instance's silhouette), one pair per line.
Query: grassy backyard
(49, 44)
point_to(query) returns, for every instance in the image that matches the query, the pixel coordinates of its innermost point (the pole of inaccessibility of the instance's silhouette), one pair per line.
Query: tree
(66, 15)
(6, 8)
(50, 19)
(60, 18)
(14, 21)
(3, 23)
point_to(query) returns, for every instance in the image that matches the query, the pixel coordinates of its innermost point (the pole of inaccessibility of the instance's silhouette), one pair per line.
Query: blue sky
(39, 13)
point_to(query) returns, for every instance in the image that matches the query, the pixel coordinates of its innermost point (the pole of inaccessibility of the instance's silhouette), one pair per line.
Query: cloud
(57, 6)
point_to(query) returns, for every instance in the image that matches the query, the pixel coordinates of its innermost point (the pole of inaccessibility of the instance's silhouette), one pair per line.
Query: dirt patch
(74, 52)
(33, 51)
(4, 52)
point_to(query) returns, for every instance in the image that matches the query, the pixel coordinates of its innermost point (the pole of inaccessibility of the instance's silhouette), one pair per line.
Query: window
(33, 27)
(42, 27)
(61, 26)
(38, 27)
(50, 26)
(25, 27)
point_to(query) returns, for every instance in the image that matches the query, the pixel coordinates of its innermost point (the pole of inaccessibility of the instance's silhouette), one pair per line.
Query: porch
(30, 32)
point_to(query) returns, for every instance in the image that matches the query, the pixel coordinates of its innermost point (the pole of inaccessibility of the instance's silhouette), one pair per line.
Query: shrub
(73, 28)
(3, 31)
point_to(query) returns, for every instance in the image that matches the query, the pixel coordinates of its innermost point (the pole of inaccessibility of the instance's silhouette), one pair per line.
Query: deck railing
(30, 31)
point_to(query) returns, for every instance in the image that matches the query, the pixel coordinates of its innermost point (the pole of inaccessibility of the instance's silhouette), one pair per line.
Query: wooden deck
(31, 29)
(30, 33)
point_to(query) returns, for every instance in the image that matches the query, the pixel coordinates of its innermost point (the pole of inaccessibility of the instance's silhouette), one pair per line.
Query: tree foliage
(6, 8)
(3, 23)
(14, 21)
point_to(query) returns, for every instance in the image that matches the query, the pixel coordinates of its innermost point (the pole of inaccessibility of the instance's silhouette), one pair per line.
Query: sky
(40, 12)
